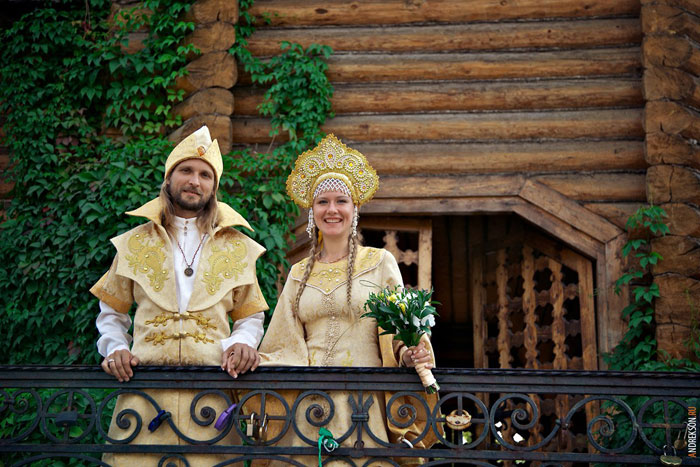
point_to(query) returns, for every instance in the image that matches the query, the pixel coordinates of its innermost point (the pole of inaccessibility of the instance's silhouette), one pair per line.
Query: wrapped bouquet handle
(408, 314)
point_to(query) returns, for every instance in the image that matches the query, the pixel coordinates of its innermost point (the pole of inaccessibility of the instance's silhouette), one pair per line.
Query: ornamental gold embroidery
(327, 279)
(328, 306)
(157, 338)
(226, 262)
(160, 337)
(147, 258)
(163, 318)
(368, 260)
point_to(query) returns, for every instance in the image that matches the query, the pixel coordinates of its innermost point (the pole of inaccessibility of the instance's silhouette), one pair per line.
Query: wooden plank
(554, 226)
(393, 97)
(455, 37)
(529, 306)
(598, 186)
(610, 324)
(569, 211)
(477, 292)
(610, 123)
(425, 255)
(326, 12)
(442, 279)
(449, 186)
(504, 331)
(481, 158)
(479, 66)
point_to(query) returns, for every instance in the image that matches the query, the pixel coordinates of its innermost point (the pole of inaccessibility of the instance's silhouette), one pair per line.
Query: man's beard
(182, 203)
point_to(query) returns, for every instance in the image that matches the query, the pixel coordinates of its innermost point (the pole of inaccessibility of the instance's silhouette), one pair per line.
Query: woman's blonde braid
(352, 247)
(307, 271)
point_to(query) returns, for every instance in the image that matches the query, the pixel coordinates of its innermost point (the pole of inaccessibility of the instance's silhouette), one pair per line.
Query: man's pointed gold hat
(331, 159)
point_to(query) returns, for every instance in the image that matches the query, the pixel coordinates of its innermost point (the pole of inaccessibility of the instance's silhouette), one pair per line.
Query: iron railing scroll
(482, 417)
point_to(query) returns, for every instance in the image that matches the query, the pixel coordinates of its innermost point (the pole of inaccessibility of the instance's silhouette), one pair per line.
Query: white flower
(415, 321)
(426, 304)
(430, 320)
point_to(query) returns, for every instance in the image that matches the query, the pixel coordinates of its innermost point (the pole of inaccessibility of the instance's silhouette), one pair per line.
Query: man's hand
(119, 364)
(239, 358)
(418, 354)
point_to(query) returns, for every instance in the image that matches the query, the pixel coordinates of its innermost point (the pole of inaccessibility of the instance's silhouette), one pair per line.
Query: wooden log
(669, 83)
(597, 186)
(692, 6)
(134, 42)
(449, 186)
(667, 183)
(361, 68)
(447, 206)
(617, 213)
(468, 96)
(327, 12)
(456, 37)
(672, 119)
(207, 101)
(614, 123)
(215, 69)
(208, 11)
(212, 37)
(671, 149)
(681, 255)
(663, 19)
(671, 52)
(478, 158)
(679, 302)
(219, 127)
(683, 219)
(611, 325)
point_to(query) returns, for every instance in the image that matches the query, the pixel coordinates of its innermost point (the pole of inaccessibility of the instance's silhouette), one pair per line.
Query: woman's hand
(119, 363)
(239, 358)
(417, 354)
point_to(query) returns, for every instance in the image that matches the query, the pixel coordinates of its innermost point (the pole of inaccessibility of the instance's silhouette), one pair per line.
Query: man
(188, 270)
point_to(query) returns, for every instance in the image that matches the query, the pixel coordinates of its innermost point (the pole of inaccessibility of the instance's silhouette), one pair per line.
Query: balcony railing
(522, 417)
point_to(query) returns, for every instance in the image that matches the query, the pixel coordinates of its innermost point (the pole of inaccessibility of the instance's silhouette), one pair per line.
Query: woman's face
(333, 213)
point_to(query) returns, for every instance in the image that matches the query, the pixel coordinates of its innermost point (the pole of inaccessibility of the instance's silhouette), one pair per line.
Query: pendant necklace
(188, 270)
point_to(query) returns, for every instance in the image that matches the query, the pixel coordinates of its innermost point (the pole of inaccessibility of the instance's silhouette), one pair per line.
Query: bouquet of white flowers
(408, 314)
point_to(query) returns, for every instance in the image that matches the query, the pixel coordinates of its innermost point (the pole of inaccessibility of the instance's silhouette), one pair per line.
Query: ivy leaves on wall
(85, 123)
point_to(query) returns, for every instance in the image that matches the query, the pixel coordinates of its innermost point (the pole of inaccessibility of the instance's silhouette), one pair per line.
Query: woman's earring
(354, 223)
(310, 226)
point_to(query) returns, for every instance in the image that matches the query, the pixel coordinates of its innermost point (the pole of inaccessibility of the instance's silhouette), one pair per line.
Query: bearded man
(188, 270)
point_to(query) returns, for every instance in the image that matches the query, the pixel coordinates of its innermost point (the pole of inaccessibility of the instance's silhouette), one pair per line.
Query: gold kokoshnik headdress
(331, 166)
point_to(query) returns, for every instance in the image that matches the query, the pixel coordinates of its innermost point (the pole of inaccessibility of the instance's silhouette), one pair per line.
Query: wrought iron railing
(55, 412)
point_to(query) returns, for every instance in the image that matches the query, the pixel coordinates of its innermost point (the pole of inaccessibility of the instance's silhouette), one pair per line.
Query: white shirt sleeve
(247, 330)
(114, 330)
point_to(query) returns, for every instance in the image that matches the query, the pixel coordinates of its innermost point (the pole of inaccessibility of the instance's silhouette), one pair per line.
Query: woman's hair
(206, 220)
(353, 245)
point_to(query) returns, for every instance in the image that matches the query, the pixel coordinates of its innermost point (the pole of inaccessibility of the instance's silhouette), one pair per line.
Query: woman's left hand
(417, 354)
(239, 358)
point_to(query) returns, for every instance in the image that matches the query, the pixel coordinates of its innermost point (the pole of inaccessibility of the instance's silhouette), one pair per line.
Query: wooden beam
(662, 148)
(617, 213)
(327, 12)
(446, 206)
(365, 68)
(207, 101)
(598, 186)
(609, 123)
(455, 37)
(449, 186)
(610, 323)
(482, 158)
(569, 211)
(671, 52)
(671, 83)
(438, 96)
(672, 119)
(658, 18)
(215, 69)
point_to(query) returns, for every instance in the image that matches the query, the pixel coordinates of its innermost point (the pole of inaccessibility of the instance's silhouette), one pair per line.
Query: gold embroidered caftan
(225, 286)
(329, 332)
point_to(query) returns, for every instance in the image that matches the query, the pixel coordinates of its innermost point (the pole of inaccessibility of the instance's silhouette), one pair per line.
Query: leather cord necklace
(188, 270)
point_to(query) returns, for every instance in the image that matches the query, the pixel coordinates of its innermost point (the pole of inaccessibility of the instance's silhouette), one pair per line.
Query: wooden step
(400, 97)
(365, 68)
(456, 37)
(492, 126)
(326, 12)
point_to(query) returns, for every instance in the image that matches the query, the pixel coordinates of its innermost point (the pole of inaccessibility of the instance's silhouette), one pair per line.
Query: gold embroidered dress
(225, 285)
(328, 332)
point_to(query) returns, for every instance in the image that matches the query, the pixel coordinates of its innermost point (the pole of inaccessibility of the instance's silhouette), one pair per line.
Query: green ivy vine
(85, 123)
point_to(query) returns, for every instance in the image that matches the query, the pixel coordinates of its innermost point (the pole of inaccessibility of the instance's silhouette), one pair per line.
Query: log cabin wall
(671, 59)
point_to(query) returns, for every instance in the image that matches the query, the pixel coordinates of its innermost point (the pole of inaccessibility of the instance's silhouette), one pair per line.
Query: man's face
(191, 185)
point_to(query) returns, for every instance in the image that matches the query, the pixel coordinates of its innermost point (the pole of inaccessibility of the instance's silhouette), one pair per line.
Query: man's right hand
(119, 363)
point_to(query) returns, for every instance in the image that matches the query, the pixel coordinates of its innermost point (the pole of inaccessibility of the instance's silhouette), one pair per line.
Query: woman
(317, 319)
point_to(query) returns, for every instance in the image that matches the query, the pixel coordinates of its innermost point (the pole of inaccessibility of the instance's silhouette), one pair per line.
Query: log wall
(547, 89)
(671, 60)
